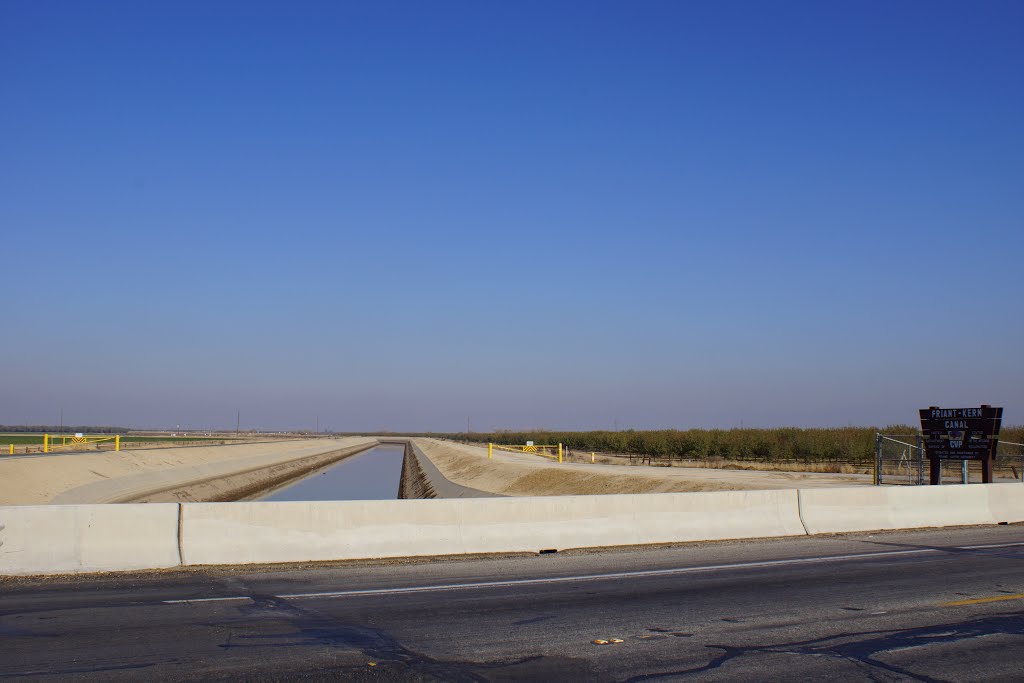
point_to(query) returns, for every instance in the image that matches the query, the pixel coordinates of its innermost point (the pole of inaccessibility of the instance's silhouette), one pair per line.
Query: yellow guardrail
(72, 440)
(541, 450)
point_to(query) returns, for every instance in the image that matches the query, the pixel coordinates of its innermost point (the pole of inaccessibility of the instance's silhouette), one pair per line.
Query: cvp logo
(956, 438)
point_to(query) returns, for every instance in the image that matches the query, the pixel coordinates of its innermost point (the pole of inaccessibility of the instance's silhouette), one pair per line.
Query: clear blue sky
(529, 214)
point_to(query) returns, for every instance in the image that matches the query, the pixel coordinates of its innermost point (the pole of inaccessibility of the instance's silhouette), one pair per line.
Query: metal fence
(900, 459)
(1010, 461)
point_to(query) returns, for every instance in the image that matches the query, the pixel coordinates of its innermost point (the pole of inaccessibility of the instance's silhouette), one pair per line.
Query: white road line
(611, 575)
(228, 599)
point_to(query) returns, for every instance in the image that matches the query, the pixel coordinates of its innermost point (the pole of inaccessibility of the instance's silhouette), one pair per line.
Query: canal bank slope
(520, 474)
(422, 479)
(204, 473)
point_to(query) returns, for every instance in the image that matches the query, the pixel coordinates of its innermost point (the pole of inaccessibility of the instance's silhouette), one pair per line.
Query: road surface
(932, 605)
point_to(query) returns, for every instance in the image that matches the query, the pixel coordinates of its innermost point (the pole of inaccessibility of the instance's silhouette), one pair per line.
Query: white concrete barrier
(530, 524)
(874, 508)
(66, 539)
(54, 539)
(1006, 501)
(242, 533)
(239, 533)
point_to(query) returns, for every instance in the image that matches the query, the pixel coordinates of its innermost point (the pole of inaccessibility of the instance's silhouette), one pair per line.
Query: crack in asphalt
(863, 652)
(313, 628)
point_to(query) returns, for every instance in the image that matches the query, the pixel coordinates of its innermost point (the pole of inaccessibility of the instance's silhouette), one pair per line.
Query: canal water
(373, 474)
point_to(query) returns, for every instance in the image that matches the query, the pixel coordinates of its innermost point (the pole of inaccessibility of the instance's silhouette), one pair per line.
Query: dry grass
(823, 467)
(723, 464)
(1008, 468)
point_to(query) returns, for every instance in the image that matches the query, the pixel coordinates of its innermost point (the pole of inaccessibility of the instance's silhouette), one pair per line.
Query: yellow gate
(543, 451)
(71, 440)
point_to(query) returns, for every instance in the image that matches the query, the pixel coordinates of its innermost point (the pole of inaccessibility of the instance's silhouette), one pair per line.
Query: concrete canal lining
(191, 473)
(417, 478)
(373, 474)
(206, 473)
(422, 479)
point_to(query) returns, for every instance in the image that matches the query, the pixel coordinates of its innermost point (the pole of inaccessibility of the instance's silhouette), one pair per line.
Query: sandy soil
(186, 473)
(514, 474)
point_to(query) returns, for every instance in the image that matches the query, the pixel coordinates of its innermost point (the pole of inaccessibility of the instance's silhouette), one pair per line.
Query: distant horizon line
(31, 428)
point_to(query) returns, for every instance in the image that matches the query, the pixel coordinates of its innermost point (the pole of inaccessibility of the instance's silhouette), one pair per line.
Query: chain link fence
(1009, 461)
(900, 459)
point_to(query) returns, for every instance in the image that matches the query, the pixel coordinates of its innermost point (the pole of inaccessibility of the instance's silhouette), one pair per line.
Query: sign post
(961, 434)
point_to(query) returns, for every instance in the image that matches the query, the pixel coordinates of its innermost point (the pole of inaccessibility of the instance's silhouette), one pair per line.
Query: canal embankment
(206, 473)
(524, 474)
(430, 468)
(422, 479)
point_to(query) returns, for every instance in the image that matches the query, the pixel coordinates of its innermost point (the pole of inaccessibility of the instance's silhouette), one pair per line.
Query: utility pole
(238, 421)
(61, 420)
(317, 424)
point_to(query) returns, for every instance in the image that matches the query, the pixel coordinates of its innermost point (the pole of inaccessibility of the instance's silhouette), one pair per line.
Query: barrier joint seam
(181, 552)
(800, 511)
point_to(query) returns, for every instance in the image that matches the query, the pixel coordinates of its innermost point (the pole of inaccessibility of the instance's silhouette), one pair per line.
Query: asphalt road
(930, 606)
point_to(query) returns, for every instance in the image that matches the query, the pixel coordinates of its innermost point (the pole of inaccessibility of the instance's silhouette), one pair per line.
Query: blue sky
(411, 216)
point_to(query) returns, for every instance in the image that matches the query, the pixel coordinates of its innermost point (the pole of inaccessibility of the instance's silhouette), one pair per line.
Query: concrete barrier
(55, 539)
(1006, 502)
(67, 539)
(241, 533)
(220, 533)
(530, 524)
(878, 508)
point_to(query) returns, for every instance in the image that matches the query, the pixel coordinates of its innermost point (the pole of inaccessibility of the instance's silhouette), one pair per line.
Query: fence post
(936, 468)
(920, 461)
(878, 459)
(117, 442)
(490, 451)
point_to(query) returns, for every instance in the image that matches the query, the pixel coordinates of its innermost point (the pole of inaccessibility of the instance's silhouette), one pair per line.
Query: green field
(176, 439)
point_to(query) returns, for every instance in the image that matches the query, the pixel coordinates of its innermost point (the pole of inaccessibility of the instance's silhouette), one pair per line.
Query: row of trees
(56, 429)
(841, 444)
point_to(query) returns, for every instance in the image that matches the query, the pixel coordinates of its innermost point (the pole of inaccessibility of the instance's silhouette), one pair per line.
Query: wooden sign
(961, 434)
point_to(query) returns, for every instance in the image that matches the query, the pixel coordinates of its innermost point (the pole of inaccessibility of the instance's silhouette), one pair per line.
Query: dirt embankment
(514, 474)
(206, 473)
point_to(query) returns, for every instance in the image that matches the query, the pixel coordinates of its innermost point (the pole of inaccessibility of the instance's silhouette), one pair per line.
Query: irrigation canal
(373, 474)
